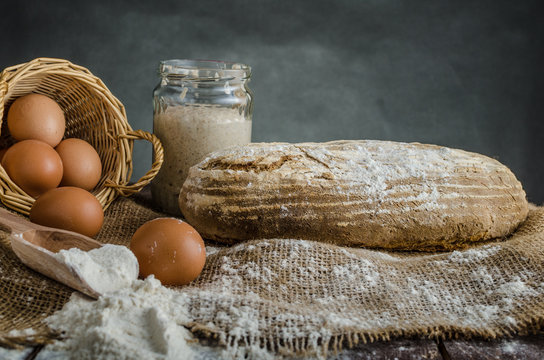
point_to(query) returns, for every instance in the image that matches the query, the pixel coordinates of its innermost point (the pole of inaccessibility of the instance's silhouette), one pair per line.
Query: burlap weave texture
(296, 296)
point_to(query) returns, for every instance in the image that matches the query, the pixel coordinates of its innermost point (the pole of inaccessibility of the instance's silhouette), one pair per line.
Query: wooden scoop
(35, 246)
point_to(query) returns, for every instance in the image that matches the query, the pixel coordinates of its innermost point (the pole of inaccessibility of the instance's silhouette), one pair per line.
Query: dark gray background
(465, 74)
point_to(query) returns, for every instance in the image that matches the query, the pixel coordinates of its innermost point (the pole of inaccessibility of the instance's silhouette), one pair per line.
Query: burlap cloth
(302, 297)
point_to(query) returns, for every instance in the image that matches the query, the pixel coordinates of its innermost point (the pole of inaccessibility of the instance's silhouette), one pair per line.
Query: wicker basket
(92, 114)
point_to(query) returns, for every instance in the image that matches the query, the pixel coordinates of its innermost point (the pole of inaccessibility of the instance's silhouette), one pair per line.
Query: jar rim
(196, 69)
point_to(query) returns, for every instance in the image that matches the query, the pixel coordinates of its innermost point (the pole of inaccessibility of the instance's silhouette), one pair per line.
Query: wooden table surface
(529, 347)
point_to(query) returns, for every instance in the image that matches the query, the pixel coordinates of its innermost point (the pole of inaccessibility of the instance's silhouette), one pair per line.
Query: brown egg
(81, 163)
(36, 117)
(68, 208)
(34, 166)
(170, 249)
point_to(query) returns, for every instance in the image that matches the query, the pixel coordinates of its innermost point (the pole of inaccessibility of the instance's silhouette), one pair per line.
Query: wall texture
(465, 74)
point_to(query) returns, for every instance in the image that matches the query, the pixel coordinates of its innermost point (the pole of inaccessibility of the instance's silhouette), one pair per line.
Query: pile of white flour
(134, 319)
(105, 269)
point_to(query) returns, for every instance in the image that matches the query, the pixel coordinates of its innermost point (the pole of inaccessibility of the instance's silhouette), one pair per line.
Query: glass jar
(199, 107)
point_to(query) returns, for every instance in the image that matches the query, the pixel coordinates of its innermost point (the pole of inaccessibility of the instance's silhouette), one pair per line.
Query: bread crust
(376, 194)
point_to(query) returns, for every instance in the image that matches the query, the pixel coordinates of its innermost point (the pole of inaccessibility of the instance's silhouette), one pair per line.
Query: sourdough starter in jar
(199, 107)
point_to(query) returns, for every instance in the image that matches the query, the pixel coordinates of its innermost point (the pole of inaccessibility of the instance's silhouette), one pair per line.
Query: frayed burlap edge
(321, 347)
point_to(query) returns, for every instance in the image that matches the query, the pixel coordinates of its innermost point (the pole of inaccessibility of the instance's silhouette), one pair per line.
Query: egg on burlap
(170, 249)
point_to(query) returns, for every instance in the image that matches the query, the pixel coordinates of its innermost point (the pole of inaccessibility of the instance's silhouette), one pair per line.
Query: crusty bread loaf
(375, 194)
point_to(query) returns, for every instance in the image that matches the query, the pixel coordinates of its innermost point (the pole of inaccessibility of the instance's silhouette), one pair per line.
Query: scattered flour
(516, 288)
(365, 290)
(133, 319)
(142, 321)
(24, 332)
(105, 269)
(376, 171)
(15, 354)
(471, 255)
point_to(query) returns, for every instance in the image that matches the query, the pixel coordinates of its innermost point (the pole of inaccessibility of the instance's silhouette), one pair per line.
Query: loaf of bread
(376, 194)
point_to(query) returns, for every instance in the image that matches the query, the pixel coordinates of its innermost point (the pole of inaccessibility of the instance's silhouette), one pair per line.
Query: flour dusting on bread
(369, 193)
